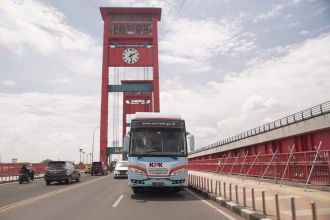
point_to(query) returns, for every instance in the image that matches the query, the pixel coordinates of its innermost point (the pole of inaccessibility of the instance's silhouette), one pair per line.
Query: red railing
(306, 114)
(13, 169)
(297, 169)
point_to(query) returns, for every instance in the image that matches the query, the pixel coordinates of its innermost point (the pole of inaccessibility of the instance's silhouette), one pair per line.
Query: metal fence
(308, 167)
(7, 169)
(5, 178)
(312, 112)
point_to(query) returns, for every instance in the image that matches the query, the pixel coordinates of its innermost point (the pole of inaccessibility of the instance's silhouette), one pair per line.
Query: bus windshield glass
(157, 141)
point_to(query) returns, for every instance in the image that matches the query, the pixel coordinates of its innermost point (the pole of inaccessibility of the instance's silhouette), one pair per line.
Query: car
(61, 171)
(121, 169)
(88, 168)
(99, 168)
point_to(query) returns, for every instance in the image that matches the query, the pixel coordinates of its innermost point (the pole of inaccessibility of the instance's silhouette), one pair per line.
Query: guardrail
(9, 171)
(303, 115)
(238, 198)
(6, 178)
(13, 168)
(306, 167)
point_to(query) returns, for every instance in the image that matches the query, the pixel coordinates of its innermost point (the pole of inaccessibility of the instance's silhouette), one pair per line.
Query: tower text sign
(115, 150)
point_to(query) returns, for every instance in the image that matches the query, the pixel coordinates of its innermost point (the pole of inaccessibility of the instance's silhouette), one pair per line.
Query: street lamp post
(90, 158)
(93, 143)
(84, 157)
(80, 150)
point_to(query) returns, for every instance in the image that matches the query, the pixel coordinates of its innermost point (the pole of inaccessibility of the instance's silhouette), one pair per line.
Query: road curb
(231, 205)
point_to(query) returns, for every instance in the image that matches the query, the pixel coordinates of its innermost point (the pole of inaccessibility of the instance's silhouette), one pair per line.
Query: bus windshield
(158, 142)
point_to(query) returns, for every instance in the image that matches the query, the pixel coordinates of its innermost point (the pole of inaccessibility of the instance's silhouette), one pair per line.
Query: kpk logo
(155, 164)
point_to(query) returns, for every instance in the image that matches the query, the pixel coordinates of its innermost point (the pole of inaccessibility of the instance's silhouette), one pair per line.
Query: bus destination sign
(154, 123)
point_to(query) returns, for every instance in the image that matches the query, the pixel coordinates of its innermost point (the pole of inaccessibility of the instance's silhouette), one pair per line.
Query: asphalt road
(102, 197)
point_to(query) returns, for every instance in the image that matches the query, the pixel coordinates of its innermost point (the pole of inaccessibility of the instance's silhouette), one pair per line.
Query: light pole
(80, 150)
(83, 157)
(93, 143)
(90, 158)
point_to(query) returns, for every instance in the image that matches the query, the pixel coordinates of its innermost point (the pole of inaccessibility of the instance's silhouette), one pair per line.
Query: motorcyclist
(31, 171)
(24, 171)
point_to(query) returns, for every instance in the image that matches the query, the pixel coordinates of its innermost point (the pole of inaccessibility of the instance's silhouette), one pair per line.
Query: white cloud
(258, 103)
(265, 91)
(320, 10)
(296, 1)
(54, 126)
(315, 31)
(193, 43)
(7, 82)
(34, 26)
(269, 54)
(56, 81)
(41, 27)
(275, 11)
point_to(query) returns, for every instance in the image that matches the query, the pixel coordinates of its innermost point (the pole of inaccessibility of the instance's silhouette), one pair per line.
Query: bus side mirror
(126, 143)
(191, 141)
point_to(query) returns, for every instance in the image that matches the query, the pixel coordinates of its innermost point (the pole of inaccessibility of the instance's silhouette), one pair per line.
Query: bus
(157, 152)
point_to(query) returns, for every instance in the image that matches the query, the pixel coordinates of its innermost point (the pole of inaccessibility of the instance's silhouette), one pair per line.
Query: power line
(177, 13)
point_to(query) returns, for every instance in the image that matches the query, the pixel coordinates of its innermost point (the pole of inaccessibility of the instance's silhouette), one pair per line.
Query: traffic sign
(114, 150)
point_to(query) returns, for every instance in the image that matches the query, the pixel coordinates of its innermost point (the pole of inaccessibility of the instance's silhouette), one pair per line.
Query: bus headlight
(179, 171)
(136, 171)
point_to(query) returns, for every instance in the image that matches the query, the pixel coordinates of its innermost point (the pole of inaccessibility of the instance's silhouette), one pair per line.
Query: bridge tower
(130, 40)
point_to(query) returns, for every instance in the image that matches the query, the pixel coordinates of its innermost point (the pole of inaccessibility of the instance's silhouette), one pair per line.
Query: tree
(46, 161)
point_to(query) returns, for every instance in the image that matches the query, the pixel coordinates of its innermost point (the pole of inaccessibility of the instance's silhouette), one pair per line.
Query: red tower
(130, 40)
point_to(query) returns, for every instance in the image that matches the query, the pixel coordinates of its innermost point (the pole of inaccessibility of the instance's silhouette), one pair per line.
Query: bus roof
(155, 115)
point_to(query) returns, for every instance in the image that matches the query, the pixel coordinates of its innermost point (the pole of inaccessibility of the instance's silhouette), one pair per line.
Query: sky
(225, 65)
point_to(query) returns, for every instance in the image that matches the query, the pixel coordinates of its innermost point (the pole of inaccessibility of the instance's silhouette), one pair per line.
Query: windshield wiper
(152, 151)
(139, 157)
(146, 153)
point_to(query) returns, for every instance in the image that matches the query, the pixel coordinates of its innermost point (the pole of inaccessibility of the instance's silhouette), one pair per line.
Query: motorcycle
(23, 177)
(31, 174)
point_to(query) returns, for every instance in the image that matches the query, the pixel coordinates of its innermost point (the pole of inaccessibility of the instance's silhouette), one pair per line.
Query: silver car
(121, 169)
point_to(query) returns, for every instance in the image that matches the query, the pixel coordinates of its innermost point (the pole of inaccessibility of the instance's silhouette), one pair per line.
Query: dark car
(61, 171)
(99, 168)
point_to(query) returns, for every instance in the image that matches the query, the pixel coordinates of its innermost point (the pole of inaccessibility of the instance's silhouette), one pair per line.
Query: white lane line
(118, 201)
(211, 205)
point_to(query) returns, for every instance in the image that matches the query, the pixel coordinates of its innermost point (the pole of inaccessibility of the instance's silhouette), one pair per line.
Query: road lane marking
(211, 205)
(118, 201)
(30, 200)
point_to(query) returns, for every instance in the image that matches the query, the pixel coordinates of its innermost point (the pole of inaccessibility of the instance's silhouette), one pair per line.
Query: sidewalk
(302, 199)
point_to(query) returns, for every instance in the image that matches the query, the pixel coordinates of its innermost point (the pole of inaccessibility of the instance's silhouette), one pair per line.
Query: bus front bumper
(154, 182)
